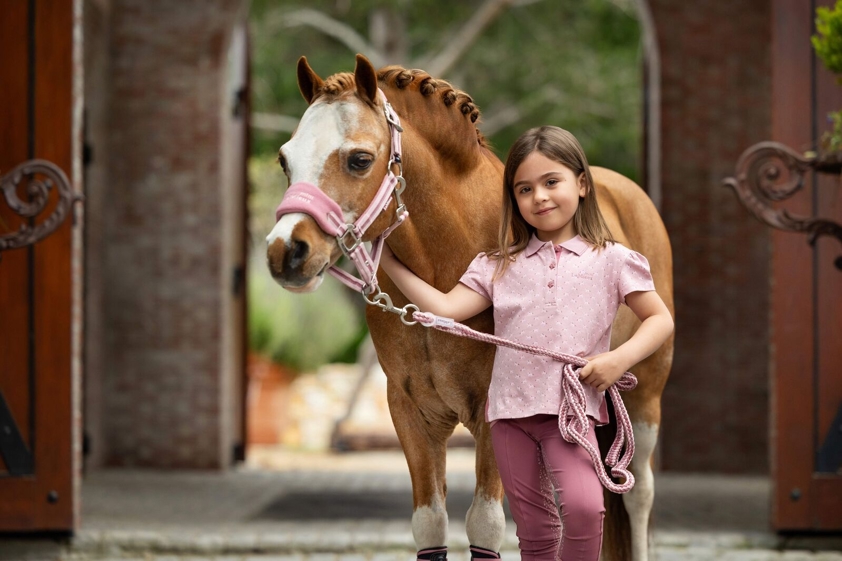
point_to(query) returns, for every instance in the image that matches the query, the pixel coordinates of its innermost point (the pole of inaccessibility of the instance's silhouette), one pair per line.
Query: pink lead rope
(572, 419)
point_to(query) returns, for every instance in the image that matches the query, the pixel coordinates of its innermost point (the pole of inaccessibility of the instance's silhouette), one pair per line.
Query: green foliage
(828, 46)
(575, 64)
(301, 331)
(831, 141)
(828, 42)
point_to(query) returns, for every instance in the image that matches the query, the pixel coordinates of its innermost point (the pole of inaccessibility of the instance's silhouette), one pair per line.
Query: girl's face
(547, 193)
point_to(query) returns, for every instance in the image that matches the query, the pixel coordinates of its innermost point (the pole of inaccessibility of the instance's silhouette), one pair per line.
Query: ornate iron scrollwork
(39, 192)
(769, 172)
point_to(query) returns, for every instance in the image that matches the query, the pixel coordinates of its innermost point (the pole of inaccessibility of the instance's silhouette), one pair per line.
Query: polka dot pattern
(562, 298)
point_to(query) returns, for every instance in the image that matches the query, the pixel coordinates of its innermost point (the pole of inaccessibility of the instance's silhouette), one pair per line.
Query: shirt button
(552, 265)
(550, 284)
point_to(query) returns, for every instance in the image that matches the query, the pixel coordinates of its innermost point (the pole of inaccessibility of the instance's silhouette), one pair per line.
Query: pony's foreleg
(485, 523)
(424, 444)
(638, 501)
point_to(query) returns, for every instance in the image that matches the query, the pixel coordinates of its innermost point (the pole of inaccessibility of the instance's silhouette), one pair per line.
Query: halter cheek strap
(307, 198)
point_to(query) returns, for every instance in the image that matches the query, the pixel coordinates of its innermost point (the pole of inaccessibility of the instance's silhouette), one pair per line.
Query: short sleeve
(635, 275)
(478, 276)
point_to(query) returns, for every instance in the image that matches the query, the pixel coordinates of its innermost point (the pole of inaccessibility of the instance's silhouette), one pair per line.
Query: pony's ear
(308, 81)
(366, 79)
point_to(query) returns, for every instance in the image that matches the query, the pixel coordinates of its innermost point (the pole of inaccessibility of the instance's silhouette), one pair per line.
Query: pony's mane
(399, 78)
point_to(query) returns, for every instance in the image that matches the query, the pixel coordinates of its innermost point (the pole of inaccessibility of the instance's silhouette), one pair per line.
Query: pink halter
(309, 199)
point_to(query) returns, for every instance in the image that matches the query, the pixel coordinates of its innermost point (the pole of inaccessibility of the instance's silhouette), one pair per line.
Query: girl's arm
(605, 369)
(459, 304)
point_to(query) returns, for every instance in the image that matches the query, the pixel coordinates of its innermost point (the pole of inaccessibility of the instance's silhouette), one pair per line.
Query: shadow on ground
(385, 505)
(685, 502)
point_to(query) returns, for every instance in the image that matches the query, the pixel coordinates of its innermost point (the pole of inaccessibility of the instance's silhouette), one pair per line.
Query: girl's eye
(524, 190)
(552, 182)
(360, 161)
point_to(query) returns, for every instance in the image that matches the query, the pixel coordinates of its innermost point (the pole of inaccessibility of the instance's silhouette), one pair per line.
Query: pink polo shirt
(567, 304)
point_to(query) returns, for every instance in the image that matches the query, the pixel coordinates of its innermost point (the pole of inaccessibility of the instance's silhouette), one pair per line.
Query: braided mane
(399, 78)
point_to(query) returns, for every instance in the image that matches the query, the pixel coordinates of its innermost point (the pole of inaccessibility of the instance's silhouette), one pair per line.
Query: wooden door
(36, 283)
(806, 425)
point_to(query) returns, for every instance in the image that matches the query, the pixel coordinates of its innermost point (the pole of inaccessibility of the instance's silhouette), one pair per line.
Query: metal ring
(405, 310)
(399, 175)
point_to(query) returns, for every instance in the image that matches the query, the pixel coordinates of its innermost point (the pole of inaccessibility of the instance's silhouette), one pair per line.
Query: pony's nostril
(298, 253)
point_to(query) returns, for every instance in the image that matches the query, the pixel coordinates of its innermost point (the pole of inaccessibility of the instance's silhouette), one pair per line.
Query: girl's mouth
(544, 211)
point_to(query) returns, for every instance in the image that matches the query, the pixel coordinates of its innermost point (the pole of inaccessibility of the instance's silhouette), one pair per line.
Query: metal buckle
(343, 245)
(389, 112)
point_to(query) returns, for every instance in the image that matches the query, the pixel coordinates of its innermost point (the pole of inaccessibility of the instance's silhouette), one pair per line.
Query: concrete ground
(357, 507)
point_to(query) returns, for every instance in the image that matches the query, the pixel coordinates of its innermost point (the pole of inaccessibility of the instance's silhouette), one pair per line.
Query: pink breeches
(534, 459)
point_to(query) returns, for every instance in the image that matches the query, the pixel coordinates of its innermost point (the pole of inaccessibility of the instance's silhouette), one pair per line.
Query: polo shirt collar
(575, 244)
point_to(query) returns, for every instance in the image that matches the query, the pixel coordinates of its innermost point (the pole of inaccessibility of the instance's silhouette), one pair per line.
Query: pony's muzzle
(288, 265)
(299, 259)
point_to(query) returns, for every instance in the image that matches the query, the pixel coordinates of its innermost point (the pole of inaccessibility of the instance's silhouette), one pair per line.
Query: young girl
(556, 281)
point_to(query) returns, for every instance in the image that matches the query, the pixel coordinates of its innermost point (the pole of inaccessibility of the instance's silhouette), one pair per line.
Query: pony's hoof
(482, 553)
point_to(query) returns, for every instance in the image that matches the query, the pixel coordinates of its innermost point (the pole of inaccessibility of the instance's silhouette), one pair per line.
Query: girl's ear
(583, 185)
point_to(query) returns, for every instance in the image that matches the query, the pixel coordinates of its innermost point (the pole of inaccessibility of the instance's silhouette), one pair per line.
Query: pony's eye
(360, 161)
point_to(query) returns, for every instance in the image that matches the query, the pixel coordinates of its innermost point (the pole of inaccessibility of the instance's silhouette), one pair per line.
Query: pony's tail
(616, 530)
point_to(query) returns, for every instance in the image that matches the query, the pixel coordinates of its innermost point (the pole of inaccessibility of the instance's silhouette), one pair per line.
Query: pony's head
(342, 146)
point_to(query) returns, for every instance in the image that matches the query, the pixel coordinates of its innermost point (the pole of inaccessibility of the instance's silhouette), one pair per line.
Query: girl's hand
(602, 371)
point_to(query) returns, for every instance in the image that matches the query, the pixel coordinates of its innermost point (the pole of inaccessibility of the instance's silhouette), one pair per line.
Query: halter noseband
(308, 199)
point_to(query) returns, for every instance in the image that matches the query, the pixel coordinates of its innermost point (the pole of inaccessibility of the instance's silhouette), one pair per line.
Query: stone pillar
(160, 350)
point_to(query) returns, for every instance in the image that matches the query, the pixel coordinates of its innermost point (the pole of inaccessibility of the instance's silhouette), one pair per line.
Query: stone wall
(715, 103)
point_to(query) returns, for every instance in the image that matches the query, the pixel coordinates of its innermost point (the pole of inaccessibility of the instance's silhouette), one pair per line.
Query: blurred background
(144, 335)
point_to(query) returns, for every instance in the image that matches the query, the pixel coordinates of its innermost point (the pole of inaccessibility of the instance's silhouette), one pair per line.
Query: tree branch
(340, 31)
(501, 116)
(441, 64)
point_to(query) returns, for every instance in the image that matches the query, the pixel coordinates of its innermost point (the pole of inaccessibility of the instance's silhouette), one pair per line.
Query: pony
(453, 185)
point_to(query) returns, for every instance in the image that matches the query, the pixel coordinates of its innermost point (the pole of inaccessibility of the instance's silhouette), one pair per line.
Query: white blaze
(283, 229)
(321, 132)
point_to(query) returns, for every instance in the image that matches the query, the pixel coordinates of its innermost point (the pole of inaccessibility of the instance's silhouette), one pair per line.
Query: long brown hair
(559, 145)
